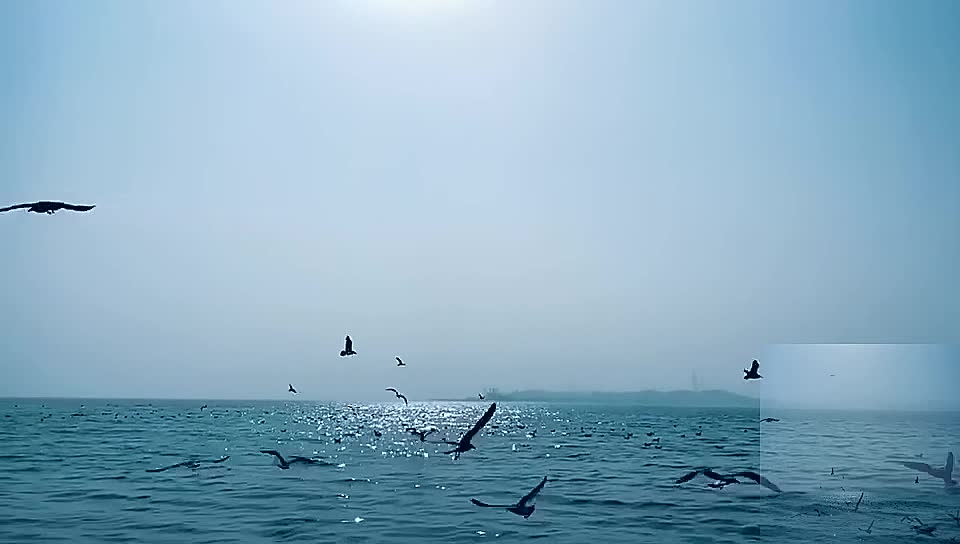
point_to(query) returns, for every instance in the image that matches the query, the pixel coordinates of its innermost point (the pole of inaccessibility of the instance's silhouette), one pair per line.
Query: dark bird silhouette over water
(945, 473)
(348, 348)
(722, 480)
(285, 463)
(752, 374)
(399, 362)
(48, 207)
(521, 508)
(422, 433)
(397, 393)
(480, 395)
(464, 444)
(202, 407)
(188, 464)
(291, 389)
(769, 419)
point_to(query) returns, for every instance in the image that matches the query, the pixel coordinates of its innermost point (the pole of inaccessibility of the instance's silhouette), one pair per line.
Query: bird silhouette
(945, 473)
(521, 508)
(480, 395)
(291, 389)
(752, 373)
(188, 464)
(397, 393)
(285, 463)
(769, 419)
(422, 433)
(202, 407)
(722, 480)
(399, 362)
(48, 207)
(869, 529)
(348, 348)
(464, 444)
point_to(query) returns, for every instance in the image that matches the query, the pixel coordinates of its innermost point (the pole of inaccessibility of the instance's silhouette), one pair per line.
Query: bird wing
(220, 460)
(76, 207)
(395, 392)
(15, 207)
(532, 494)
(948, 468)
(398, 360)
(478, 503)
(755, 366)
(714, 476)
(922, 467)
(274, 453)
(687, 477)
(759, 479)
(348, 344)
(483, 421)
(403, 397)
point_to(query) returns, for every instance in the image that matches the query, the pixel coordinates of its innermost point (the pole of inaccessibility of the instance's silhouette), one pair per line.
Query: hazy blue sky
(856, 376)
(591, 195)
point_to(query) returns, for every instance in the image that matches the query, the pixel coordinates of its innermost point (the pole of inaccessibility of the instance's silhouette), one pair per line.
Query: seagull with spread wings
(397, 393)
(753, 373)
(464, 444)
(400, 362)
(291, 389)
(945, 473)
(521, 508)
(285, 463)
(347, 348)
(720, 480)
(48, 207)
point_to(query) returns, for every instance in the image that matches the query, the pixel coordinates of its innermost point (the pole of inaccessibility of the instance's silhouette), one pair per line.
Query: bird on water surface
(48, 207)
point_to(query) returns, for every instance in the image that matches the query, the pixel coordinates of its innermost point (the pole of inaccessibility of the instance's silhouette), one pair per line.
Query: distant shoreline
(715, 398)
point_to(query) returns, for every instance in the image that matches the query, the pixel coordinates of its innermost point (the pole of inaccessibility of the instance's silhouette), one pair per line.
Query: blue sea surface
(76, 471)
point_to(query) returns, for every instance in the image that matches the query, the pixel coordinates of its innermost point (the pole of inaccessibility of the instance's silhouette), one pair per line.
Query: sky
(555, 195)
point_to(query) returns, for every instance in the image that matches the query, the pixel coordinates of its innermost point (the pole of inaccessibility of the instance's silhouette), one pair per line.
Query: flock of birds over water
(525, 506)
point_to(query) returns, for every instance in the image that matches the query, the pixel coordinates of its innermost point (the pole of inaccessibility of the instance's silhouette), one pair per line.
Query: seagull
(752, 373)
(188, 464)
(944, 473)
(397, 393)
(291, 389)
(480, 395)
(285, 464)
(731, 479)
(464, 444)
(769, 419)
(521, 508)
(422, 434)
(48, 207)
(348, 348)
(202, 407)
(399, 362)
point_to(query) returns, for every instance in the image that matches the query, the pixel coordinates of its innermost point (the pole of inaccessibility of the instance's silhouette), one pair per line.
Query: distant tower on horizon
(693, 380)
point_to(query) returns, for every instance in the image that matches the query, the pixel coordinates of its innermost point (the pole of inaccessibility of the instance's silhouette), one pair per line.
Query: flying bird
(722, 480)
(291, 389)
(48, 207)
(188, 464)
(480, 395)
(202, 407)
(422, 433)
(399, 362)
(521, 508)
(397, 393)
(464, 444)
(769, 420)
(752, 374)
(348, 348)
(285, 463)
(945, 473)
